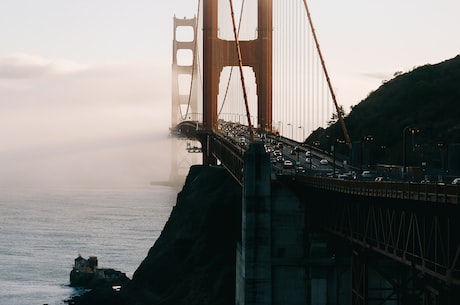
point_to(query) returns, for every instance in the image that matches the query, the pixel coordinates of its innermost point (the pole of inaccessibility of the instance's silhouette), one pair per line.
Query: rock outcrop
(98, 278)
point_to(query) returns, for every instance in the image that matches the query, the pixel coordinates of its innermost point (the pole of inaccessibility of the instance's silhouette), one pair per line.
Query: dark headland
(193, 260)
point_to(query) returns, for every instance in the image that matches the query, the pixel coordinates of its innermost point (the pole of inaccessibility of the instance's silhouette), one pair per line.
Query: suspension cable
(339, 114)
(240, 64)
(231, 69)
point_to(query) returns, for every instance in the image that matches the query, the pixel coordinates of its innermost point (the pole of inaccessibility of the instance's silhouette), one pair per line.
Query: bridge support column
(270, 267)
(253, 268)
(288, 247)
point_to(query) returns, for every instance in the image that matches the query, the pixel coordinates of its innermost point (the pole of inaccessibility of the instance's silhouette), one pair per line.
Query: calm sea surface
(43, 230)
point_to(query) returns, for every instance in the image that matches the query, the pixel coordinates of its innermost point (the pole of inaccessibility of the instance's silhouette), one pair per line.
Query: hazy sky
(85, 85)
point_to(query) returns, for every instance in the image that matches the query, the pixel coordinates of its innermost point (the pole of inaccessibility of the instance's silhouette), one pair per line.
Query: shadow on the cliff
(193, 260)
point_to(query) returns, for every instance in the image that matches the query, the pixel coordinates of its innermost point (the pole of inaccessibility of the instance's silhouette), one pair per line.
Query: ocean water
(42, 230)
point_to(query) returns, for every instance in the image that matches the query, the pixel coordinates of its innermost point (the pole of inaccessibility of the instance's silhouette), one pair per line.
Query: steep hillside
(427, 98)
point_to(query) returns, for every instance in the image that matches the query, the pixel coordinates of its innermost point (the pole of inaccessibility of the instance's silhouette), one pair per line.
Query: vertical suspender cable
(284, 96)
(292, 89)
(299, 106)
(275, 65)
(286, 46)
(278, 71)
(312, 82)
(291, 66)
(282, 66)
(339, 115)
(301, 75)
(287, 80)
(308, 39)
(319, 100)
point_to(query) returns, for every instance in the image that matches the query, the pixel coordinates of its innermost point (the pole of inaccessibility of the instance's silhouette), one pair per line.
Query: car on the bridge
(268, 148)
(366, 175)
(323, 162)
(308, 160)
(300, 169)
(346, 176)
(456, 181)
(288, 164)
(308, 153)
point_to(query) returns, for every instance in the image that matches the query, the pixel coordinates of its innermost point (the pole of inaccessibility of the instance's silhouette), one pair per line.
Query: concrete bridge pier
(289, 275)
(270, 255)
(253, 264)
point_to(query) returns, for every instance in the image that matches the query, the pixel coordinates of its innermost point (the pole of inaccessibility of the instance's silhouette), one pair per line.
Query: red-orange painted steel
(218, 54)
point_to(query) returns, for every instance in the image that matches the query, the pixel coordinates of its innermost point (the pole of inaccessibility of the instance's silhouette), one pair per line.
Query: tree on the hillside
(335, 117)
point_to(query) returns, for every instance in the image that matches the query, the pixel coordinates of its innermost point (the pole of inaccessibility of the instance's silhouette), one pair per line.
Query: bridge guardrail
(440, 193)
(230, 156)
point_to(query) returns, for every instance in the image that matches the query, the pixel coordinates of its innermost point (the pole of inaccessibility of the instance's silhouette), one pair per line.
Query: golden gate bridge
(253, 72)
(287, 86)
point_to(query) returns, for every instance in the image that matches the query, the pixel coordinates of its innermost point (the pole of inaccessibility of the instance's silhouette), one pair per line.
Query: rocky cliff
(193, 261)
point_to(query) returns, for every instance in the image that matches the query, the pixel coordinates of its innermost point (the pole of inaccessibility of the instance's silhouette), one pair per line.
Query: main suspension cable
(240, 64)
(231, 68)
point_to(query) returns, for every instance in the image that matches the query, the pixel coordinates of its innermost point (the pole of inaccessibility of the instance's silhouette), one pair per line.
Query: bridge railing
(446, 193)
(230, 155)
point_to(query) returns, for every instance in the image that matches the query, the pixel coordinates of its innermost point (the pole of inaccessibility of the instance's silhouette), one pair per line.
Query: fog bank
(66, 123)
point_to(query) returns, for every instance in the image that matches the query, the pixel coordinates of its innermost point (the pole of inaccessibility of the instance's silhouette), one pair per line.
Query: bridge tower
(218, 53)
(180, 163)
(189, 71)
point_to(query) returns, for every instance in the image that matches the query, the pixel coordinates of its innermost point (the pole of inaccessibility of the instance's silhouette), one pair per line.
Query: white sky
(78, 75)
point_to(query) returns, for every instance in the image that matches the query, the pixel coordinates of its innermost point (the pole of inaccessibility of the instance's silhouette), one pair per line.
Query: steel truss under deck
(421, 236)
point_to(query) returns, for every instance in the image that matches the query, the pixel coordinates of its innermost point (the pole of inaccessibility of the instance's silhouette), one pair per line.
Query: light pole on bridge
(292, 130)
(317, 145)
(367, 138)
(333, 147)
(444, 149)
(280, 127)
(413, 131)
(302, 130)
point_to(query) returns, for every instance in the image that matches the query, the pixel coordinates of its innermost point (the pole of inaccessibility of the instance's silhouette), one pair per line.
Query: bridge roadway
(229, 144)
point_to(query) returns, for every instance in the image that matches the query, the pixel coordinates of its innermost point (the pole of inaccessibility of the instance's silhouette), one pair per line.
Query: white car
(277, 153)
(308, 160)
(324, 162)
(288, 164)
(366, 174)
(300, 169)
(456, 181)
